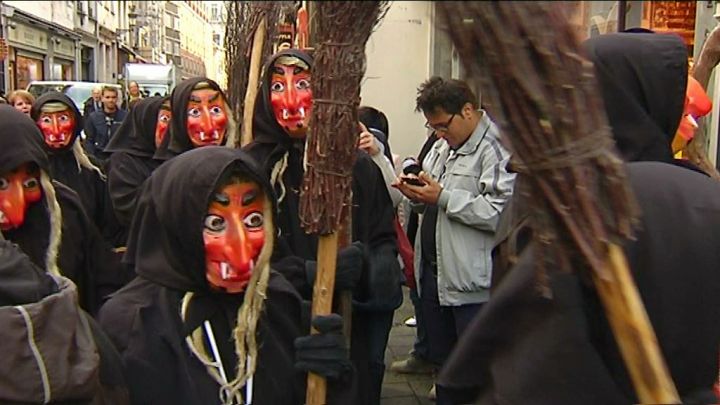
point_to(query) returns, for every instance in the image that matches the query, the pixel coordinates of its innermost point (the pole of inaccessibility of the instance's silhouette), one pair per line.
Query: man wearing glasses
(460, 191)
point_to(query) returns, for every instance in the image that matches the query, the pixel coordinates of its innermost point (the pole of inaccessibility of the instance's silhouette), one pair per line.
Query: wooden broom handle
(322, 305)
(253, 78)
(634, 332)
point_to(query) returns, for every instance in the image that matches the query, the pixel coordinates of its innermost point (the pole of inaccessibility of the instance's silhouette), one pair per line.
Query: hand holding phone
(411, 170)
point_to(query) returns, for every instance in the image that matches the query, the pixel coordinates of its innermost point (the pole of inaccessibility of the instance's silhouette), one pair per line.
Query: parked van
(78, 92)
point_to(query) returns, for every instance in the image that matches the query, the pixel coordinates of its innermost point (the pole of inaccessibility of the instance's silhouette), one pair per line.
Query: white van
(78, 92)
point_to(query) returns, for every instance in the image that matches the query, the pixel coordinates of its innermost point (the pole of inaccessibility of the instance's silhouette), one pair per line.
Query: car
(78, 92)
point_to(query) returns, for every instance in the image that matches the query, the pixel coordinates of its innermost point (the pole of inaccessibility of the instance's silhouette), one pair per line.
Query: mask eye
(31, 183)
(215, 223)
(164, 118)
(64, 118)
(4, 183)
(277, 87)
(216, 110)
(302, 84)
(254, 220)
(194, 112)
(45, 120)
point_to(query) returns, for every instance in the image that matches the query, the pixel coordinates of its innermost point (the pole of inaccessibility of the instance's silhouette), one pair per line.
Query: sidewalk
(403, 389)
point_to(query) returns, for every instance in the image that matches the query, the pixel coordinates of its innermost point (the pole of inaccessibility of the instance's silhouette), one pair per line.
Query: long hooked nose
(237, 250)
(13, 206)
(206, 120)
(291, 101)
(55, 126)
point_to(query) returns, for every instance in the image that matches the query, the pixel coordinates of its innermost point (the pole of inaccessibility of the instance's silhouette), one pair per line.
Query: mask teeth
(202, 136)
(61, 138)
(252, 264)
(302, 112)
(216, 136)
(285, 113)
(3, 218)
(224, 270)
(52, 138)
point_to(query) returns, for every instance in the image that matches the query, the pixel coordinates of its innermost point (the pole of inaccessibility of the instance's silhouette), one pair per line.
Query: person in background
(93, 103)
(374, 140)
(22, 101)
(133, 94)
(102, 125)
(461, 191)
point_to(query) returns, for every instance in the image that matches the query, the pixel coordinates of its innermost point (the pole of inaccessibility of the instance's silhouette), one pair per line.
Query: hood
(165, 243)
(177, 140)
(643, 78)
(265, 127)
(48, 351)
(136, 135)
(26, 143)
(55, 96)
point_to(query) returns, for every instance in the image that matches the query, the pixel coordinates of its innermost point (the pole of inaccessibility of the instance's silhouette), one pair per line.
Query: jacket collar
(471, 145)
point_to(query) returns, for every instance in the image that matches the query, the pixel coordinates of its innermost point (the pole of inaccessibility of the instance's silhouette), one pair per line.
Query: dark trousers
(370, 333)
(443, 324)
(420, 347)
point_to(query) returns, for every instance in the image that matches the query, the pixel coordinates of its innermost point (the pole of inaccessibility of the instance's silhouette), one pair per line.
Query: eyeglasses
(441, 127)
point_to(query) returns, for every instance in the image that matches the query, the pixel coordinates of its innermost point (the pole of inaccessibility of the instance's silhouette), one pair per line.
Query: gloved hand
(350, 261)
(324, 353)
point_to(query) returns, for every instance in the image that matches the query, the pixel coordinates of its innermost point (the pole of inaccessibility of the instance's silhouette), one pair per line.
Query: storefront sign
(26, 36)
(66, 47)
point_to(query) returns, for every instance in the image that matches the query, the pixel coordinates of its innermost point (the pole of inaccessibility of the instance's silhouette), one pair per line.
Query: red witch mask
(58, 128)
(206, 118)
(291, 98)
(233, 235)
(18, 189)
(163, 122)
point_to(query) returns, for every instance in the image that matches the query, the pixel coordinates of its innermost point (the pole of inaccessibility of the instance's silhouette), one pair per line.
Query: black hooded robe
(524, 348)
(87, 183)
(177, 140)
(131, 160)
(83, 257)
(166, 247)
(380, 291)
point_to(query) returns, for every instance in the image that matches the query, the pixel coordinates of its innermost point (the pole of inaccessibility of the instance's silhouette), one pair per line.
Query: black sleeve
(292, 268)
(124, 185)
(373, 224)
(90, 135)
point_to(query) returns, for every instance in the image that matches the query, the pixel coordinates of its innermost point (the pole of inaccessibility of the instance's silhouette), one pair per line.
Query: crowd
(151, 261)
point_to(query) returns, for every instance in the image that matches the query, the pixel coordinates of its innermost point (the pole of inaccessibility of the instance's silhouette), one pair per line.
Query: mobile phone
(414, 181)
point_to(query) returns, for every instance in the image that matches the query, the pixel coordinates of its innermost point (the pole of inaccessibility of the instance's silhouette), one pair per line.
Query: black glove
(350, 261)
(324, 353)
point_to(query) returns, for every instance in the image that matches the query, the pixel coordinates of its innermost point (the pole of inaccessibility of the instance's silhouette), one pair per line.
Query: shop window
(62, 71)
(26, 70)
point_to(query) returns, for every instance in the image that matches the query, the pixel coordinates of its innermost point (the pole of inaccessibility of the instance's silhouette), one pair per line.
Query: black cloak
(132, 160)
(177, 140)
(87, 183)
(525, 348)
(373, 213)
(166, 248)
(84, 257)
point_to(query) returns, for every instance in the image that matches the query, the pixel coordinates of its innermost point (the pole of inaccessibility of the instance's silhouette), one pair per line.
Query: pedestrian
(93, 103)
(61, 124)
(374, 141)
(200, 115)
(131, 160)
(46, 219)
(563, 342)
(22, 101)
(282, 112)
(461, 192)
(208, 320)
(134, 94)
(102, 125)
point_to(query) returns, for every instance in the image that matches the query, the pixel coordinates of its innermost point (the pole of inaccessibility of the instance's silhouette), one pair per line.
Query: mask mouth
(207, 139)
(4, 221)
(58, 140)
(229, 273)
(297, 116)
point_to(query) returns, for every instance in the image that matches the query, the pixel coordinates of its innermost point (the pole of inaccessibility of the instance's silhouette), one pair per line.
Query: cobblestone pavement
(403, 389)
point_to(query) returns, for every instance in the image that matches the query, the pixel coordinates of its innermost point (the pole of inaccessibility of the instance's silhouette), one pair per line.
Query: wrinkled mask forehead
(291, 95)
(207, 116)
(19, 189)
(234, 233)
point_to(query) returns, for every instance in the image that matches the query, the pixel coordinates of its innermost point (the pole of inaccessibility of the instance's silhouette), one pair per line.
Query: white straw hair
(277, 173)
(83, 160)
(55, 217)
